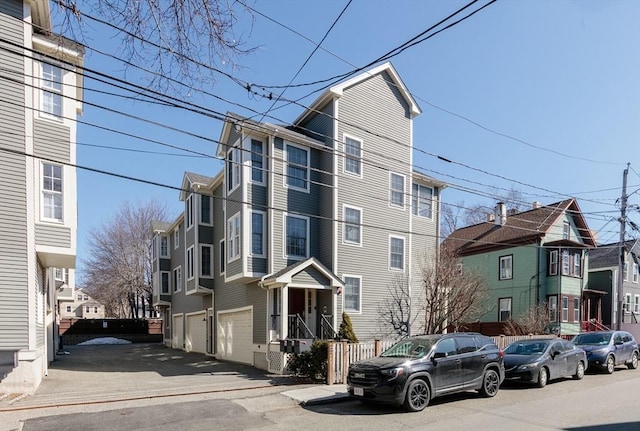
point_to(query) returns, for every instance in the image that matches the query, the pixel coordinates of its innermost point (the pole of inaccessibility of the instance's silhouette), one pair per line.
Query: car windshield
(409, 349)
(593, 339)
(532, 348)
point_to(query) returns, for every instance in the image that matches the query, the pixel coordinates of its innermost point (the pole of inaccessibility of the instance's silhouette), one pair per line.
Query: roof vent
(536, 205)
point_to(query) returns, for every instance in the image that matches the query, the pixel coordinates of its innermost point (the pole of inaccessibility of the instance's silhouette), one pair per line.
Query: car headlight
(599, 351)
(392, 373)
(527, 367)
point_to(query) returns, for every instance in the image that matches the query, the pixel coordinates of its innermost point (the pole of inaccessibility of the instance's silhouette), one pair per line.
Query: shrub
(346, 329)
(312, 363)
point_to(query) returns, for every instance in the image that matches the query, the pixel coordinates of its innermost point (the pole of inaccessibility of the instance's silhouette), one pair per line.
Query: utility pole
(621, 248)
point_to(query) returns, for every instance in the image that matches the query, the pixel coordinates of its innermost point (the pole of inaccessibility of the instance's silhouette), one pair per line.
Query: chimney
(536, 205)
(500, 214)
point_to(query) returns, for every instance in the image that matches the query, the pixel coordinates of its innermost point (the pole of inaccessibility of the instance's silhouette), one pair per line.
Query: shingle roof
(606, 255)
(159, 226)
(520, 228)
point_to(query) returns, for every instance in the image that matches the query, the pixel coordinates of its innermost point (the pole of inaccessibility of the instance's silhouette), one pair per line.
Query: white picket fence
(341, 353)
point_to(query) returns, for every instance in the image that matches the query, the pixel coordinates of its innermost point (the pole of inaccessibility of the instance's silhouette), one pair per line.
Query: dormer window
(52, 90)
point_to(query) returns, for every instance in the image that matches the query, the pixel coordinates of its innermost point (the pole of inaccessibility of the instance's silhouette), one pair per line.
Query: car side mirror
(618, 343)
(555, 353)
(438, 355)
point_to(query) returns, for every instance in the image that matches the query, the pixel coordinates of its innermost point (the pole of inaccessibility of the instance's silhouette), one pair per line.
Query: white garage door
(177, 334)
(235, 336)
(196, 333)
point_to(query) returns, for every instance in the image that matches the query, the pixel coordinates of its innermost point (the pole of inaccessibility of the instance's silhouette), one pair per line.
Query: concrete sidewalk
(320, 394)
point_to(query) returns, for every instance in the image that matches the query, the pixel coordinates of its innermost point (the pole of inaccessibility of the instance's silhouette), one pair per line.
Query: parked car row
(417, 369)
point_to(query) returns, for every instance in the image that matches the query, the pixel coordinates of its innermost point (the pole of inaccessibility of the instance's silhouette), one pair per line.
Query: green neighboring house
(533, 257)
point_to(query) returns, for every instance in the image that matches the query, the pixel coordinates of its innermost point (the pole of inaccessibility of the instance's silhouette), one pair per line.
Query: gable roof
(338, 89)
(193, 181)
(606, 255)
(519, 229)
(285, 275)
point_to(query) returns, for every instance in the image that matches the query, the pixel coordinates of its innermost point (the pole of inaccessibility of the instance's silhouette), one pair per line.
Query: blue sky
(542, 96)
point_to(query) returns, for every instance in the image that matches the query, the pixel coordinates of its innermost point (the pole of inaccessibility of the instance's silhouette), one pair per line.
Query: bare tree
(119, 264)
(395, 311)
(454, 295)
(533, 321)
(173, 38)
(450, 217)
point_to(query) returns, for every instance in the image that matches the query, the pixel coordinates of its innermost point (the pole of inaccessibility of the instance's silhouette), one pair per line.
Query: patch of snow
(104, 340)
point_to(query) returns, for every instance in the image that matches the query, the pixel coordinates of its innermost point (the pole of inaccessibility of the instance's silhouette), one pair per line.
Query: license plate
(359, 392)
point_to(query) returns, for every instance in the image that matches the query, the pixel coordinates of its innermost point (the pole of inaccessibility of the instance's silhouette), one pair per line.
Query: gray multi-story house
(603, 284)
(304, 222)
(40, 91)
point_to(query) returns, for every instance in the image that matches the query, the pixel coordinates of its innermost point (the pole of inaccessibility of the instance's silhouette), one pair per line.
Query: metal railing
(297, 328)
(327, 331)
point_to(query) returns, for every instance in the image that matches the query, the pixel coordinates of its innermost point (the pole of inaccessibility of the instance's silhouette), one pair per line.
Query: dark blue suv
(417, 369)
(606, 349)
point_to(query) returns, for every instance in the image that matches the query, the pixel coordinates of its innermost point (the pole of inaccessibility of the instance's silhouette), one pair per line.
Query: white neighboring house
(81, 306)
(40, 97)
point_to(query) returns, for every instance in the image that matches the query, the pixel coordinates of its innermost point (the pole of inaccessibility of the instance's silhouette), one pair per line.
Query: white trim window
(352, 225)
(257, 233)
(206, 260)
(52, 194)
(396, 253)
(506, 267)
(566, 263)
(566, 230)
(352, 293)
(223, 257)
(233, 168)
(177, 279)
(636, 304)
(233, 237)
(504, 309)
(352, 155)
(552, 306)
(176, 238)
(164, 247)
(205, 210)
(577, 264)
(565, 309)
(297, 168)
(165, 287)
(576, 309)
(625, 271)
(422, 201)
(627, 303)
(257, 161)
(553, 262)
(190, 263)
(296, 236)
(396, 190)
(52, 90)
(189, 212)
(636, 271)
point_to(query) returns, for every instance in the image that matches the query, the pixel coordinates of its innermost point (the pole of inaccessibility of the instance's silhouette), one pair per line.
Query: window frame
(553, 262)
(287, 216)
(393, 191)
(288, 164)
(346, 224)
(566, 230)
(576, 268)
(234, 248)
(552, 307)
(626, 305)
(357, 310)
(636, 304)
(177, 279)
(263, 217)
(501, 275)
(576, 309)
(565, 308)
(233, 164)
(164, 243)
(635, 273)
(352, 157)
(222, 261)
(391, 254)
(509, 311)
(56, 92)
(416, 198)
(190, 263)
(176, 238)
(202, 263)
(168, 274)
(55, 194)
(257, 158)
(188, 216)
(566, 262)
(202, 213)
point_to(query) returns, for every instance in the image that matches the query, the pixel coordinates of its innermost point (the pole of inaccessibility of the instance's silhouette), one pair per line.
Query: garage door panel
(196, 333)
(235, 336)
(177, 334)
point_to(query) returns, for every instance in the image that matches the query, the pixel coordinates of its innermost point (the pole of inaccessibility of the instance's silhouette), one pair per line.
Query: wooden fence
(341, 353)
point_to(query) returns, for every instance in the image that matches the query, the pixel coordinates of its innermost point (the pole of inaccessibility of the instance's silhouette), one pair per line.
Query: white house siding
(14, 307)
(53, 235)
(375, 106)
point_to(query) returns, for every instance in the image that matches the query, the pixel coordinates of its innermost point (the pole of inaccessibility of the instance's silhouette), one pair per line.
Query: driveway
(109, 373)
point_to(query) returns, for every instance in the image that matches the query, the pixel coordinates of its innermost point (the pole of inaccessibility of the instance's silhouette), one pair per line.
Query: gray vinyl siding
(310, 276)
(257, 195)
(165, 264)
(38, 287)
(205, 234)
(230, 296)
(52, 235)
(51, 140)
(13, 194)
(377, 107)
(320, 125)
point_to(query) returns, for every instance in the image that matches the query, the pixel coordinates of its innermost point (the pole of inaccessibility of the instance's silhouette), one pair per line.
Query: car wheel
(543, 377)
(418, 395)
(579, 371)
(633, 364)
(490, 384)
(610, 365)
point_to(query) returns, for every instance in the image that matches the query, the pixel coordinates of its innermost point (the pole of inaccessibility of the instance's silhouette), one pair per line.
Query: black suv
(416, 369)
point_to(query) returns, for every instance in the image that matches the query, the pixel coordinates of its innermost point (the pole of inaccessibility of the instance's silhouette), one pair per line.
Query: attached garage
(235, 336)
(196, 333)
(177, 334)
